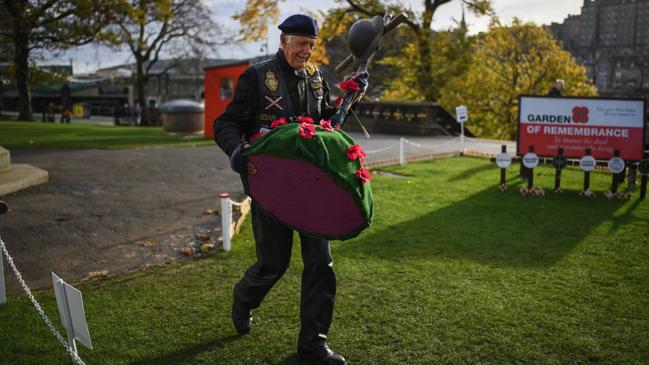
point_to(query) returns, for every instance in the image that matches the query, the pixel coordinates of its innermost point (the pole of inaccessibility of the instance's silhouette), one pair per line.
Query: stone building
(611, 38)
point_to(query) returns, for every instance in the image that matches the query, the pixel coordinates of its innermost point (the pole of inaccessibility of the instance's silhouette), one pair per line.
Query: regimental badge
(316, 85)
(310, 69)
(271, 81)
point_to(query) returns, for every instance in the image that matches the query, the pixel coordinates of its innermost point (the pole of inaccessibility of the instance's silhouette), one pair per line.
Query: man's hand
(237, 161)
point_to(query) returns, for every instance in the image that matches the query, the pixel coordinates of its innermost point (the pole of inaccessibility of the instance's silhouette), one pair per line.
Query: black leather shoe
(241, 317)
(321, 354)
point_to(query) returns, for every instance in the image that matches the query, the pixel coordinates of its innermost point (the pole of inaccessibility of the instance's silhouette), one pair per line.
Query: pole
(503, 172)
(587, 174)
(402, 155)
(643, 182)
(3, 294)
(462, 138)
(226, 220)
(530, 175)
(616, 176)
(557, 173)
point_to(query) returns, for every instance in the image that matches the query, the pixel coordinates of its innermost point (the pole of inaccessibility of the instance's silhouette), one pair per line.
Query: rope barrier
(383, 149)
(454, 140)
(75, 358)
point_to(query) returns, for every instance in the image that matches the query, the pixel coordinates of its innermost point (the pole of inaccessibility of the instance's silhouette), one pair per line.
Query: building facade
(610, 38)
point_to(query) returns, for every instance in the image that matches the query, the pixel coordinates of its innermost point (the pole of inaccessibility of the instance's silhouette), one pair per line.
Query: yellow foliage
(255, 17)
(509, 61)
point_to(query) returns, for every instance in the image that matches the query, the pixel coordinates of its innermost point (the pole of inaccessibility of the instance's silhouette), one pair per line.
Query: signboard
(461, 114)
(574, 124)
(588, 163)
(530, 160)
(643, 166)
(503, 160)
(616, 165)
(560, 162)
(73, 316)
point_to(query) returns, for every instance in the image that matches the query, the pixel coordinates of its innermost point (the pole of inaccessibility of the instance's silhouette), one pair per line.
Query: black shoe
(321, 354)
(241, 317)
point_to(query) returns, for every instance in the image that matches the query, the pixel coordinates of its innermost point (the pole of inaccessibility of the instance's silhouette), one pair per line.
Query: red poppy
(326, 124)
(305, 120)
(580, 114)
(337, 127)
(306, 130)
(349, 85)
(278, 122)
(256, 135)
(354, 152)
(364, 174)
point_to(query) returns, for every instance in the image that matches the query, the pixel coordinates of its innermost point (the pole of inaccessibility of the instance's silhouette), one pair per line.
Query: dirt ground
(109, 211)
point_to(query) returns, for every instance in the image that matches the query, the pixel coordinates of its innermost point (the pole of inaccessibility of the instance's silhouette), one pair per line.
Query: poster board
(577, 123)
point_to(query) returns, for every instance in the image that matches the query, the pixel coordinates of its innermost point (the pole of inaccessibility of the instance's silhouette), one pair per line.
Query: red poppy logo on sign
(580, 114)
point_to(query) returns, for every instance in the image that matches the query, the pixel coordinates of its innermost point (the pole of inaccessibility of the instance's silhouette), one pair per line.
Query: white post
(3, 295)
(402, 155)
(462, 138)
(226, 220)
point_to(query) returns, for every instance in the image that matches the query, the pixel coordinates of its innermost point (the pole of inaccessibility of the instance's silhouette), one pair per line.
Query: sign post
(643, 167)
(461, 117)
(530, 160)
(559, 164)
(588, 164)
(616, 166)
(3, 295)
(73, 316)
(503, 160)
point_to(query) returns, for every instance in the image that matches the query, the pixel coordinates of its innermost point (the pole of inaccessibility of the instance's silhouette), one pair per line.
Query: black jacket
(238, 122)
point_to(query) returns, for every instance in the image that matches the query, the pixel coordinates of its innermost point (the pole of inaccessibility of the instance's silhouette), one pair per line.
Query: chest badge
(271, 81)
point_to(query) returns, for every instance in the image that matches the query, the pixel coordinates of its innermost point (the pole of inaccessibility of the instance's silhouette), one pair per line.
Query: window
(227, 87)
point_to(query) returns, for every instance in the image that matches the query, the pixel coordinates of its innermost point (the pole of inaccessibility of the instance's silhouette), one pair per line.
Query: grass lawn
(451, 272)
(33, 135)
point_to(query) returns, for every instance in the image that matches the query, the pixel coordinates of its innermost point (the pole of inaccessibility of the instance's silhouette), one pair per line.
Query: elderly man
(284, 86)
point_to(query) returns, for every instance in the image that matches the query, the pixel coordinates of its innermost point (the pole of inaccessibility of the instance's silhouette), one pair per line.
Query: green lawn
(451, 272)
(32, 135)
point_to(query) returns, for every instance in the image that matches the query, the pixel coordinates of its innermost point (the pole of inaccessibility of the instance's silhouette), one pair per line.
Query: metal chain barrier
(75, 358)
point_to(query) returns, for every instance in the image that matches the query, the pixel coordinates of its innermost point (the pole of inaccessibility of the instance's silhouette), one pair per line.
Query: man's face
(297, 49)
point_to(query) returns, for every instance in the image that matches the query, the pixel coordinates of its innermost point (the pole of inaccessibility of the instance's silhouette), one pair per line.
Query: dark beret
(299, 24)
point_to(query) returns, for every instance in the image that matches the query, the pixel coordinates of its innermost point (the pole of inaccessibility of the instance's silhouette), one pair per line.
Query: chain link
(40, 311)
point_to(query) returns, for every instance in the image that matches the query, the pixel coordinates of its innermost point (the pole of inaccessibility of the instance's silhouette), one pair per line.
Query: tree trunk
(140, 83)
(21, 61)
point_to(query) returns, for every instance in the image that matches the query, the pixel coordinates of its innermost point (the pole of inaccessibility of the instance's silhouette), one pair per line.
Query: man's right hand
(238, 161)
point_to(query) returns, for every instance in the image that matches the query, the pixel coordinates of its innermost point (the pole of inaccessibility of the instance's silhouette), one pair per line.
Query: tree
(451, 57)
(151, 27)
(510, 61)
(421, 50)
(46, 24)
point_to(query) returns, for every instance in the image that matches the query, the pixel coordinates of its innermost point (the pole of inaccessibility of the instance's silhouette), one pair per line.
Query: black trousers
(274, 242)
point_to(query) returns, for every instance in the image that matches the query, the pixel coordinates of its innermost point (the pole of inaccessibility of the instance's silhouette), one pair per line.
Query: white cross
(273, 102)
